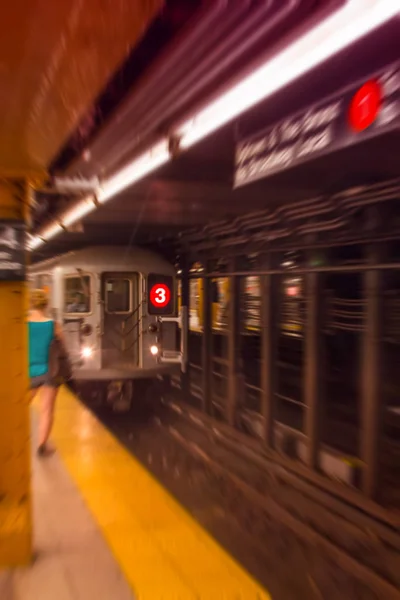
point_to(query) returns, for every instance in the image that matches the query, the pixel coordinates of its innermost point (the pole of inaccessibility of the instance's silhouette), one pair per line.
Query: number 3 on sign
(159, 295)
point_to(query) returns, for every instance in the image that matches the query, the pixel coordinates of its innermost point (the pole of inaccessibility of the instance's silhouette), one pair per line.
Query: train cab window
(118, 296)
(77, 294)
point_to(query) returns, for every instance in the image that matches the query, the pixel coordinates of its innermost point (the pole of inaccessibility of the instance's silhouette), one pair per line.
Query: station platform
(105, 528)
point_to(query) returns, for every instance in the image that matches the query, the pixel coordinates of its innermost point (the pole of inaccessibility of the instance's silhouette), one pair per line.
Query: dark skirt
(37, 382)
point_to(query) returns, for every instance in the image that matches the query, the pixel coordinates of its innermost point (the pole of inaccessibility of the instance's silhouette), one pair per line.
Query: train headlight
(86, 352)
(154, 350)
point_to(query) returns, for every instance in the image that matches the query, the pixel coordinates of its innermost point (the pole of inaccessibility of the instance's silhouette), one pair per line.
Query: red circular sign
(160, 295)
(365, 106)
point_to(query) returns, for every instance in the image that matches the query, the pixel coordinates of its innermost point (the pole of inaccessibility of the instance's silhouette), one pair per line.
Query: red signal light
(365, 106)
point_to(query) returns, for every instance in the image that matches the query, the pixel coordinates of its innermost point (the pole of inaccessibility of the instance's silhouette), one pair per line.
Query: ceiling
(196, 188)
(55, 57)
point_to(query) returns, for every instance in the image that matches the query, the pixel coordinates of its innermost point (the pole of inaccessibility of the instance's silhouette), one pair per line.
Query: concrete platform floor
(72, 559)
(105, 529)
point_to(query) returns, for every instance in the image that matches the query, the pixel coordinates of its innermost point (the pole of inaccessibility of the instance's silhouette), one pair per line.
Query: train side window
(77, 294)
(118, 296)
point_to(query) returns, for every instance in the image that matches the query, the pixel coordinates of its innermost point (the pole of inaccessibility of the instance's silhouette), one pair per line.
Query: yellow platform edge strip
(161, 549)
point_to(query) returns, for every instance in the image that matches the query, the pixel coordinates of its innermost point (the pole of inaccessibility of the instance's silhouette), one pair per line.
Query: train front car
(117, 307)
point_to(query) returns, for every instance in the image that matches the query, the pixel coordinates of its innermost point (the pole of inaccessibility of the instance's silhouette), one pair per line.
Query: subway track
(298, 541)
(343, 543)
(255, 452)
(340, 428)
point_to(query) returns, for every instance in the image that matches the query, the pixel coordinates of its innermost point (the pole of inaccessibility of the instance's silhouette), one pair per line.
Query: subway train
(109, 301)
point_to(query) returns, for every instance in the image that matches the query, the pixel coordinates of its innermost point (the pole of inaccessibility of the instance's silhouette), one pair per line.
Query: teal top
(41, 334)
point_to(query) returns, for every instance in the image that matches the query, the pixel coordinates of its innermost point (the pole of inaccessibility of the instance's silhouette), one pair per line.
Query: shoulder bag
(60, 370)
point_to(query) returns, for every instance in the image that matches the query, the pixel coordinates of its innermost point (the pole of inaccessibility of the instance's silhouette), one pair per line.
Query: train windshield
(77, 297)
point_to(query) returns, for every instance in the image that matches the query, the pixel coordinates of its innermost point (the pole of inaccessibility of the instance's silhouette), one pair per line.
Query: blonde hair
(39, 300)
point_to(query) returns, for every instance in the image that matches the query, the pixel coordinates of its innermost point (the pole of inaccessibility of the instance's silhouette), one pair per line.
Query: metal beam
(371, 377)
(313, 366)
(269, 339)
(233, 345)
(185, 301)
(206, 350)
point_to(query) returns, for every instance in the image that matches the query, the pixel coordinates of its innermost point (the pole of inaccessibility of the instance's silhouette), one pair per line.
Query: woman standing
(42, 331)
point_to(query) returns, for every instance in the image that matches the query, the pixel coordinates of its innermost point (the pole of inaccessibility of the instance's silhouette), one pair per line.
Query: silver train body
(99, 295)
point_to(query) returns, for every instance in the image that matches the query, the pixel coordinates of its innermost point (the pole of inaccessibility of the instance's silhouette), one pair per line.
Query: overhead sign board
(12, 250)
(364, 110)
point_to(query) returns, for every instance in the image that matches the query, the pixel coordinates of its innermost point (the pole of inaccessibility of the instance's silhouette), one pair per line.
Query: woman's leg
(47, 399)
(36, 385)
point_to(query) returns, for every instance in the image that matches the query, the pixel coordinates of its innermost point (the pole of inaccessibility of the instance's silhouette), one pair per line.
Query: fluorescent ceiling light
(78, 211)
(51, 231)
(83, 208)
(34, 242)
(136, 170)
(347, 25)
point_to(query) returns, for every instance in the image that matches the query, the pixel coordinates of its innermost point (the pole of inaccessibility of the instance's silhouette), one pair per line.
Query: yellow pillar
(15, 493)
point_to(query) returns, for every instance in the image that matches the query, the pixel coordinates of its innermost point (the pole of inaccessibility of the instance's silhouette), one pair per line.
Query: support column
(371, 378)
(185, 301)
(233, 345)
(15, 495)
(206, 350)
(269, 339)
(314, 365)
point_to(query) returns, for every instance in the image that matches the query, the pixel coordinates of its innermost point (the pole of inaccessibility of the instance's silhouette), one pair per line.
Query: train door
(120, 320)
